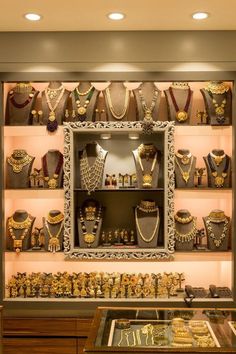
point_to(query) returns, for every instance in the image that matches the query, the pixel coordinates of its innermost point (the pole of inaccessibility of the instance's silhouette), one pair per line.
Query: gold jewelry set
(53, 95)
(216, 219)
(188, 236)
(217, 158)
(52, 222)
(148, 110)
(218, 88)
(145, 151)
(91, 285)
(188, 160)
(18, 160)
(147, 207)
(82, 109)
(115, 114)
(15, 226)
(184, 220)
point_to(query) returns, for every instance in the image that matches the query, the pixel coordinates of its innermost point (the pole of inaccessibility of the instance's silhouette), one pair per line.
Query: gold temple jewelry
(217, 158)
(90, 213)
(23, 87)
(183, 220)
(147, 177)
(219, 108)
(55, 219)
(184, 158)
(217, 88)
(52, 93)
(84, 93)
(148, 110)
(52, 108)
(147, 206)
(82, 109)
(185, 174)
(116, 115)
(145, 239)
(217, 240)
(217, 216)
(18, 164)
(147, 151)
(19, 225)
(189, 236)
(54, 242)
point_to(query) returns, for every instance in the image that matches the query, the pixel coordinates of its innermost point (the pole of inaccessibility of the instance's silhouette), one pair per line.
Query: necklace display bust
(185, 230)
(18, 169)
(54, 103)
(147, 98)
(218, 102)
(19, 229)
(52, 167)
(117, 101)
(53, 228)
(84, 100)
(217, 226)
(185, 165)
(89, 221)
(218, 166)
(20, 102)
(179, 101)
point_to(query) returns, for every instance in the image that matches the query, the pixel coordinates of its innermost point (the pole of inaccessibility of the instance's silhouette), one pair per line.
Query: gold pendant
(52, 183)
(89, 238)
(218, 160)
(185, 176)
(147, 115)
(185, 160)
(52, 116)
(181, 116)
(147, 181)
(17, 168)
(220, 111)
(81, 111)
(219, 181)
(17, 245)
(54, 244)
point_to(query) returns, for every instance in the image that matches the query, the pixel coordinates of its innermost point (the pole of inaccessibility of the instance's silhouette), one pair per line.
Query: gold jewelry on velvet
(116, 115)
(147, 206)
(184, 158)
(18, 225)
(217, 241)
(145, 239)
(189, 236)
(90, 213)
(23, 87)
(18, 164)
(148, 110)
(217, 158)
(55, 219)
(147, 177)
(52, 93)
(185, 174)
(183, 220)
(54, 242)
(217, 216)
(84, 93)
(217, 88)
(52, 108)
(219, 108)
(180, 85)
(147, 151)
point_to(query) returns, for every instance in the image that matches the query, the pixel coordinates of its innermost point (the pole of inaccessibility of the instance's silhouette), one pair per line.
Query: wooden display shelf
(202, 256)
(30, 131)
(39, 193)
(203, 130)
(203, 193)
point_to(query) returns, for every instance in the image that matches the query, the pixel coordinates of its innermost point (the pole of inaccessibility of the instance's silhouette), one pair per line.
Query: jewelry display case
(155, 160)
(156, 330)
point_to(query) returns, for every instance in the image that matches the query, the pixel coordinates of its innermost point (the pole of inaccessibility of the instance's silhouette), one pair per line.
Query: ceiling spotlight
(116, 16)
(33, 17)
(200, 15)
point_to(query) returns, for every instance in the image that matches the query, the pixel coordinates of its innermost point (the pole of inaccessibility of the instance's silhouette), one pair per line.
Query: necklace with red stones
(23, 104)
(53, 181)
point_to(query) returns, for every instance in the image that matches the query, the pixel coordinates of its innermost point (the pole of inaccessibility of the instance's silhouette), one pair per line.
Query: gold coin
(81, 111)
(89, 238)
(181, 116)
(220, 111)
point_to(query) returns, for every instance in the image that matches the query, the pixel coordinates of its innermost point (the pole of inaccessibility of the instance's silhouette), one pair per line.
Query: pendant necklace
(52, 123)
(54, 242)
(147, 177)
(18, 164)
(23, 104)
(114, 113)
(148, 110)
(19, 225)
(184, 158)
(91, 176)
(81, 110)
(185, 174)
(217, 240)
(217, 158)
(189, 236)
(52, 93)
(219, 107)
(52, 181)
(145, 239)
(219, 177)
(89, 237)
(181, 114)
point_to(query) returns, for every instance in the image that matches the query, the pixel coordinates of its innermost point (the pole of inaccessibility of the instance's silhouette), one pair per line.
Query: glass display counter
(142, 330)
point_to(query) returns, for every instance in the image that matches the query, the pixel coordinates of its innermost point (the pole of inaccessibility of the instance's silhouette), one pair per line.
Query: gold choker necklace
(217, 88)
(186, 220)
(18, 164)
(19, 225)
(217, 216)
(147, 206)
(189, 236)
(180, 85)
(85, 92)
(184, 158)
(55, 219)
(217, 158)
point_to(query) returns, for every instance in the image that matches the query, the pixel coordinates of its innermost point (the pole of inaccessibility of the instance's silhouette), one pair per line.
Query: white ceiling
(90, 15)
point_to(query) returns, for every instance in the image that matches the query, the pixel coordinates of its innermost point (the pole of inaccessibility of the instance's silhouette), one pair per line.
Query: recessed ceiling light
(33, 17)
(200, 15)
(116, 16)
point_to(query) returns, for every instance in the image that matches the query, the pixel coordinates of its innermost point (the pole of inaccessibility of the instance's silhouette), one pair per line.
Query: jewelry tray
(115, 333)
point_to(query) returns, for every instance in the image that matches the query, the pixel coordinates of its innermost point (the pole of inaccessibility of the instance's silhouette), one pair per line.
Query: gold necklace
(147, 206)
(126, 104)
(52, 108)
(217, 88)
(18, 164)
(148, 240)
(52, 93)
(184, 158)
(217, 216)
(19, 225)
(54, 242)
(217, 158)
(147, 177)
(188, 236)
(219, 108)
(84, 93)
(183, 220)
(55, 219)
(217, 241)
(185, 174)
(148, 110)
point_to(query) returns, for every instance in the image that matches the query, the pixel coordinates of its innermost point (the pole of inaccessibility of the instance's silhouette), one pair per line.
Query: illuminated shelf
(30, 131)
(203, 130)
(203, 193)
(34, 193)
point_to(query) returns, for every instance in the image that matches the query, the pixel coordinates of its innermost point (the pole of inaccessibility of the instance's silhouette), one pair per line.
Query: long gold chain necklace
(52, 123)
(145, 239)
(148, 110)
(89, 237)
(19, 225)
(219, 177)
(147, 177)
(188, 236)
(54, 242)
(217, 240)
(185, 174)
(91, 176)
(114, 113)
(18, 164)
